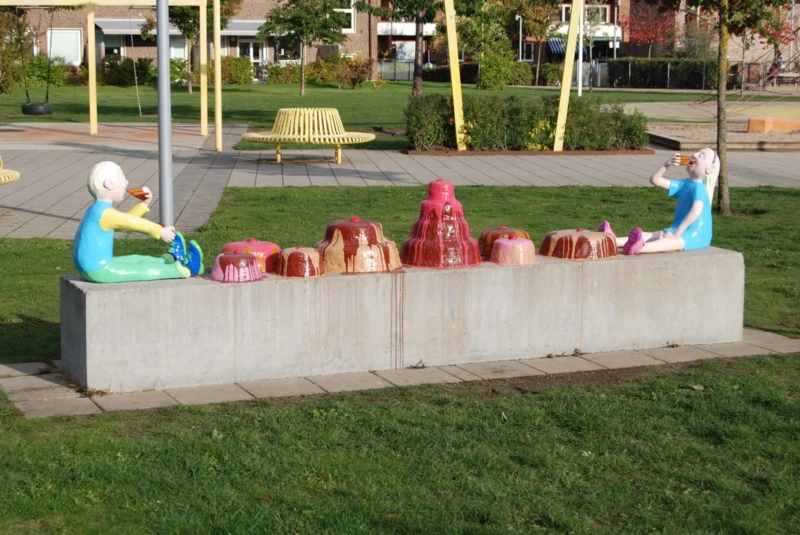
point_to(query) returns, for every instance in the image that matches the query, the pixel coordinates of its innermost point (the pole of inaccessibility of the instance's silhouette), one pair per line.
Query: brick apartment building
(118, 32)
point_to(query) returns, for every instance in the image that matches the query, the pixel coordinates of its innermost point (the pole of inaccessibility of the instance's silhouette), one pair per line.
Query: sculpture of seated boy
(692, 225)
(93, 251)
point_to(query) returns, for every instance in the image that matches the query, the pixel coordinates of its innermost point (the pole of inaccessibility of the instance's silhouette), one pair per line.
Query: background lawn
(256, 105)
(710, 448)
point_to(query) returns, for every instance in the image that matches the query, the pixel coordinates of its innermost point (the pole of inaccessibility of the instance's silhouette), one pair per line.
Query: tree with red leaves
(648, 27)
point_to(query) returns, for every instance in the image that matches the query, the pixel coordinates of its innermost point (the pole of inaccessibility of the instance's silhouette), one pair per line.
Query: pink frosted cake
(235, 267)
(513, 250)
(490, 235)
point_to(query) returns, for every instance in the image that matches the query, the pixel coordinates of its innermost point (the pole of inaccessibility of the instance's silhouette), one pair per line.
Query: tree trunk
(417, 87)
(649, 51)
(590, 63)
(190, 45)
(538, 62)
(302, 68)
(724, 201)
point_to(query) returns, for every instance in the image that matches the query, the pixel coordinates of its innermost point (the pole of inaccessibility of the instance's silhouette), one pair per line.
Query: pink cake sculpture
(235, 267)
(357, 246)
(488, 237)
(440, 236)
(266, 252)
(300, 262)
(514, 251)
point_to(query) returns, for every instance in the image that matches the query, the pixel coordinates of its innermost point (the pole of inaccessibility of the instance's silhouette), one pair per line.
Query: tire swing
(35, 108)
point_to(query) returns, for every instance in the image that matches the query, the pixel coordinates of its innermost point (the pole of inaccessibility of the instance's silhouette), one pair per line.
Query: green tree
(481, 27)
(308, 21)
(187, 20)
(11, 48)
(421, 11)
(538, 17)
(733, 17)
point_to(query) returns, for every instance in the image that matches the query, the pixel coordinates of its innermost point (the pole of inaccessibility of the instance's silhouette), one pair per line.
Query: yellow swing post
(455, 72)
(566, 81)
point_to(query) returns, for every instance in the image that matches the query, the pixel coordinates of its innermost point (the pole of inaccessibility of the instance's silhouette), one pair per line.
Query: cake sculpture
(579, 244)
(357, 246)
(300, 262)
(490, 235)
(513, 251)
(266, 252)
(440, 236)
(235, 267)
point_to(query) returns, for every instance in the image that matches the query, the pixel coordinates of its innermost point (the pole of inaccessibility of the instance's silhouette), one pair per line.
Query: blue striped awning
(557, 46)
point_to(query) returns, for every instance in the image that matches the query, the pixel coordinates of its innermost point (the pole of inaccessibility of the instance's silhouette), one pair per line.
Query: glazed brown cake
(300, 262)
(490, 235)
(579, 244)
(357, 246)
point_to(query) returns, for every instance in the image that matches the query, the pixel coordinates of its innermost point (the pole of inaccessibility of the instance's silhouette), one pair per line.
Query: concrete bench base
(181, 333)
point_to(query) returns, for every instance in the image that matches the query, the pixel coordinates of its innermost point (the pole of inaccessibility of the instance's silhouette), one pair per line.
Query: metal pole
(217, 79)
(580, 52)
(616, 10)
(519, 55)
(91, 55)
(164, 115)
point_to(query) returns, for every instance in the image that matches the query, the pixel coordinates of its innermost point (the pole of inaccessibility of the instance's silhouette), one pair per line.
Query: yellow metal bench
(7, 176)
(321, 126)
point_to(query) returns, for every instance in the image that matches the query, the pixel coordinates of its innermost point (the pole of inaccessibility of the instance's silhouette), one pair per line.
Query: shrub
(36, 70)
(354, 72)
(119, 72)
(289, 74)
(429, 122)
(469, 73)
(521, 74)
(234, 71)
(495, 69)
(510, 123)
(177, 70)
(550, 74)
(78, 76)
(323, 70)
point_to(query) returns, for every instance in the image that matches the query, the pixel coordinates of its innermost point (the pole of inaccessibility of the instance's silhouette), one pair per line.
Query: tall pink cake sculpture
(440, 236)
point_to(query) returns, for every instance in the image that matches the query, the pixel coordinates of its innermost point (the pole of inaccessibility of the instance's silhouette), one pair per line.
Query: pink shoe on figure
(605, 226)
(635, 242)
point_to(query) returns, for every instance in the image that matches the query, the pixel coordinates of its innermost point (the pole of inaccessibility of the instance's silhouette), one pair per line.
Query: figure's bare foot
(635, 242)
(605, 226)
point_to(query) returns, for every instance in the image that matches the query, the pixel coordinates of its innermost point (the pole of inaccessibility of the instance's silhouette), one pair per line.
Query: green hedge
(469, 73)
(511, 123)
(662, 73)
(235, 71)
(118, 71)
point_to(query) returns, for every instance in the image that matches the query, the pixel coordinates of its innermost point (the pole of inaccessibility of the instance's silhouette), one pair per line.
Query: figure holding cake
(93, 251)
(692, 225)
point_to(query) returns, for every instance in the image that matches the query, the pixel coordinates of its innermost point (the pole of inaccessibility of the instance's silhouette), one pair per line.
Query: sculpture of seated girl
(692, 225)
(93, 250)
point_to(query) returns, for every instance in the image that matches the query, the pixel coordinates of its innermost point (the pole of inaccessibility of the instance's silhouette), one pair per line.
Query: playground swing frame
(203, 41)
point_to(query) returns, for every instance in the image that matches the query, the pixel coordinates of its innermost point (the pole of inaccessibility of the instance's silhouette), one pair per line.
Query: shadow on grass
(26, 339)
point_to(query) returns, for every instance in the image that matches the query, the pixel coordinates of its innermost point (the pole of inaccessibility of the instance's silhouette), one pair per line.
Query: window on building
(599, 13)
(112, 44)
(66, 43)
(527, 52)
(349, 9)
(177, 48)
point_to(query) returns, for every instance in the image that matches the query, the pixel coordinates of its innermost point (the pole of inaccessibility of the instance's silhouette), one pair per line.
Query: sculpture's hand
(168, 234)
(675, 160)
(148, 198)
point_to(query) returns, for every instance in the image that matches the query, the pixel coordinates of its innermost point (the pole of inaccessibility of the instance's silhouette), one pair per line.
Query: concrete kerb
(38, 398)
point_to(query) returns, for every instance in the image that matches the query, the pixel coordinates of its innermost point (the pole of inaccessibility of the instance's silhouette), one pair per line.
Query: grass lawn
(706, 449)
(256, 105)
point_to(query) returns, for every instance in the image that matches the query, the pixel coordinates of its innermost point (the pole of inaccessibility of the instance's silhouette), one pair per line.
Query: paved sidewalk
(50, 198)
(39, 391)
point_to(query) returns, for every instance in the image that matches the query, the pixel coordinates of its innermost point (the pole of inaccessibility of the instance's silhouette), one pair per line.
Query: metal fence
(396, 70)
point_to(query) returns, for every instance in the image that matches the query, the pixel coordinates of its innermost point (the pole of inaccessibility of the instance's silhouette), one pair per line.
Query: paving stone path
(50, 198)
(40, 391)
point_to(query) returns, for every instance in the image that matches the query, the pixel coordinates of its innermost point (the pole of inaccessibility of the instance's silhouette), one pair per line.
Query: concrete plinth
(185, 333)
